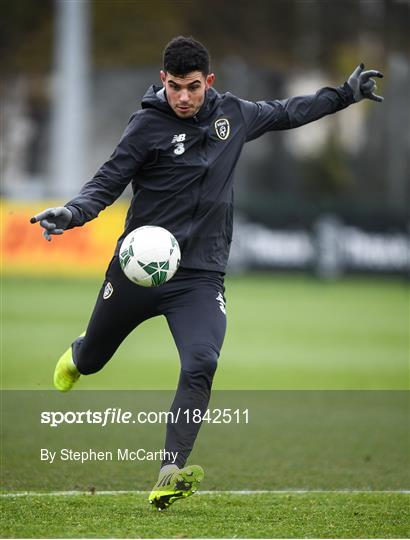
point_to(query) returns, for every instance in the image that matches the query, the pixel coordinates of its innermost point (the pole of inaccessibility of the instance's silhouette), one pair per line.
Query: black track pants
(194, 306)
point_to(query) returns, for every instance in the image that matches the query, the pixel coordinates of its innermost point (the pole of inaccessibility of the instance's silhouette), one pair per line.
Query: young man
(179, 152)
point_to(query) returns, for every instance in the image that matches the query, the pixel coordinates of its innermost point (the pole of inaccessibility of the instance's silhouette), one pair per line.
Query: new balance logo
(178, 140)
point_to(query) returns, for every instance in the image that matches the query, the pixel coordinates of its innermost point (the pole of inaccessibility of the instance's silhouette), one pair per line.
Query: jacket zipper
(204, 146)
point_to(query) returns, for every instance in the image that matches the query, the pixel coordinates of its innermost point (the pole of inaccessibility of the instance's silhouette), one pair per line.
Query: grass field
(283, 333)
(315, 515)
(315, 349)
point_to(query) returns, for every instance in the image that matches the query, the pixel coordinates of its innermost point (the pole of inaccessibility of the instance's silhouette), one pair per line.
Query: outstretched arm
(264, 116)
(53, 220)
(113, 177)
(106, 186)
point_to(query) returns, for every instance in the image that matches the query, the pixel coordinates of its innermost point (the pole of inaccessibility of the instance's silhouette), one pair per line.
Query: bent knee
(89, 359)
(200, 358)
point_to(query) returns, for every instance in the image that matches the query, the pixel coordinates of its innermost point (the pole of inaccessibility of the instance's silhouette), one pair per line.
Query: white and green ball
(149, 256)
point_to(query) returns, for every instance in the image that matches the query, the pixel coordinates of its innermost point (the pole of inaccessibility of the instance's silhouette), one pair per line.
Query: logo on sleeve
(178, 140)
(222, 128)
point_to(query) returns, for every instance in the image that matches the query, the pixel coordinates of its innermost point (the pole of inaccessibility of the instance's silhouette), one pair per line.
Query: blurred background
(330, 199)
(332, 195)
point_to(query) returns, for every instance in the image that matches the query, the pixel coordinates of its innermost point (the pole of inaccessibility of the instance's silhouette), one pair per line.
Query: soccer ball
(149, 256)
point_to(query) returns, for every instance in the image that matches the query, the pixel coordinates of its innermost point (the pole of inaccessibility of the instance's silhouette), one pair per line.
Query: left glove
(53, 220)
(362, 85)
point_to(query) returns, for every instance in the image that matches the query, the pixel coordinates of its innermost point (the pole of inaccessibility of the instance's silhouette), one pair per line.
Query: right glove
(53, 220)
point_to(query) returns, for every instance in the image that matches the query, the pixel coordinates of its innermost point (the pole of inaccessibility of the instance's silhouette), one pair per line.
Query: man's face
(186, 94)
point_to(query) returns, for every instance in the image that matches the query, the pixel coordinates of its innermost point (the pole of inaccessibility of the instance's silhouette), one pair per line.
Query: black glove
(362, 85)
(53, 220)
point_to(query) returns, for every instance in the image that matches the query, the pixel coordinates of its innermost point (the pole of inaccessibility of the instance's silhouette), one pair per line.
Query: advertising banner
(80, 252)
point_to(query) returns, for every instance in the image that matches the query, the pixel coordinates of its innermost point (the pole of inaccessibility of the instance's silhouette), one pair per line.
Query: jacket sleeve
(263, 116)
(113, 177)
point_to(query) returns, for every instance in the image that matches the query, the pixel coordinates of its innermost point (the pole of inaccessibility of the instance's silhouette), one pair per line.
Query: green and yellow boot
(174, 483)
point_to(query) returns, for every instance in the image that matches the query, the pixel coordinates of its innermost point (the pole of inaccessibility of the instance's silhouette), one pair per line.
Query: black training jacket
(182, 169)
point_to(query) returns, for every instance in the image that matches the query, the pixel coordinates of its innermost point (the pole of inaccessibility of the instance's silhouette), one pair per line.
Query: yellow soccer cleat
(66, 373)
(174, 483)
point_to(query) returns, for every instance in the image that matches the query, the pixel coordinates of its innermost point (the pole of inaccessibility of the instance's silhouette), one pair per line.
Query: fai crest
(108, 291)
(222, 128)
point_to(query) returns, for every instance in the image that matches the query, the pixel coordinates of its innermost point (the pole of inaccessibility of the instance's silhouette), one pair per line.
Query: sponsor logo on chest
(178, 141)
(222, 129)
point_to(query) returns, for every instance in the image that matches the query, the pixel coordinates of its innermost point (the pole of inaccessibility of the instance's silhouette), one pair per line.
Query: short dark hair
(184, 54)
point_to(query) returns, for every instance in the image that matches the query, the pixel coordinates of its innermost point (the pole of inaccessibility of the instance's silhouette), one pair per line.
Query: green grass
(283, 333)
(294, 440)
(319, 515)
